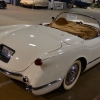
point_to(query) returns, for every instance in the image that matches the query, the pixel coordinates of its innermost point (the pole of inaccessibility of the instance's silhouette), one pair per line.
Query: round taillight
(38, 61)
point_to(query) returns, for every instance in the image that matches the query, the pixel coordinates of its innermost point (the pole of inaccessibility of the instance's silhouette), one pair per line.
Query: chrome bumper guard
(10, 73)
(29, 87)
(15, 75)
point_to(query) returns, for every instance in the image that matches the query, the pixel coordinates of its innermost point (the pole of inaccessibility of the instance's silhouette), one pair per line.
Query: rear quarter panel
(57, 63)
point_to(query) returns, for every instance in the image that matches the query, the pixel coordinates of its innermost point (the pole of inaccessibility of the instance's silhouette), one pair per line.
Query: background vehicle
(78, 3)
(3, 4)
(38, 3)
(82, 3)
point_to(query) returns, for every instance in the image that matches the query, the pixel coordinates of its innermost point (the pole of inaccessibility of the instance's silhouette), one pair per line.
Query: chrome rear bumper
(10, 73)
(22, 78)
(29, 87)
(13, 75)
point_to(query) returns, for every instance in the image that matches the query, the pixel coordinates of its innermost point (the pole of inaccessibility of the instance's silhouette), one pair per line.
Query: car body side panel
(57, 62)
(95, 44)
(57, 66)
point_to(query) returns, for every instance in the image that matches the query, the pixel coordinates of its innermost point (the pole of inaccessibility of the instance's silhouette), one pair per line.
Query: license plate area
(6, 53)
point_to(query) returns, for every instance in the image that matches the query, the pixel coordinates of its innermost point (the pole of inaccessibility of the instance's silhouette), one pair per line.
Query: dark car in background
(3, 4)
(82, 3)
(78, 3)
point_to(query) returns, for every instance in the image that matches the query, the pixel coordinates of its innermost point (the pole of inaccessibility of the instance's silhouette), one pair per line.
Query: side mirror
(53, 18)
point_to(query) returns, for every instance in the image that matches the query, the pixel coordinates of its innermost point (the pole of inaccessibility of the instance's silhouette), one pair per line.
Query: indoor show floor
(88, 85)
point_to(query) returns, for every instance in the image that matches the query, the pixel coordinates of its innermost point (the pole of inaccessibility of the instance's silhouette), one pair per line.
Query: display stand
(56, 5)
(33, 6)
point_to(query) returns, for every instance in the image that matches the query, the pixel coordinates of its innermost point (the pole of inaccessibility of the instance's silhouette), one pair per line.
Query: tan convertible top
(81, 30)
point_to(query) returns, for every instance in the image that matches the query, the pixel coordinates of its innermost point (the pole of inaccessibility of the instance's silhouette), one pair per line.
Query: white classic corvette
(47, 56)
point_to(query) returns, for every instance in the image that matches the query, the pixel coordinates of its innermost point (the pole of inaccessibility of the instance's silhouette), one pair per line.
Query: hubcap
(72, 74)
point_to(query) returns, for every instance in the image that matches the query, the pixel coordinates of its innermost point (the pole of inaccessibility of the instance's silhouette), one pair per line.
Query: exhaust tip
(25, 79)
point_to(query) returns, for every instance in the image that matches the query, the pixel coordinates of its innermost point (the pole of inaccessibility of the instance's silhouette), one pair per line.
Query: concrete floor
(88, 85)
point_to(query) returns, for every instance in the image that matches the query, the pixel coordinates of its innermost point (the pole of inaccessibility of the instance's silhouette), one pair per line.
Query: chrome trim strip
(10, 73)
(29, 87)
(93, 60)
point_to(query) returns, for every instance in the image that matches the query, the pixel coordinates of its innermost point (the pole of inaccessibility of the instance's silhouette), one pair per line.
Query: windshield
(79, 25)
(79, 18)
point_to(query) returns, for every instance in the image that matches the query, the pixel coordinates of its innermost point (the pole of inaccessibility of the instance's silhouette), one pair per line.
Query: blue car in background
(82, 4)
(78, 3)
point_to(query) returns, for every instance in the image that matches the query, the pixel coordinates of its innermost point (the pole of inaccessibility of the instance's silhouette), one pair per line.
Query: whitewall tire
(72, 75)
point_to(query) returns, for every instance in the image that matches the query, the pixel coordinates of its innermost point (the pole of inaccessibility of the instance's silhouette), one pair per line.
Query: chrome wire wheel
(72, 75)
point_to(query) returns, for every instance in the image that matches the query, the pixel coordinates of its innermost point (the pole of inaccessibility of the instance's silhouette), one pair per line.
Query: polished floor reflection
(88, 85)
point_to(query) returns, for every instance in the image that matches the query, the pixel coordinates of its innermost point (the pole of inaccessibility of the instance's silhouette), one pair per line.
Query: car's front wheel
(1, 5)
(72, 75)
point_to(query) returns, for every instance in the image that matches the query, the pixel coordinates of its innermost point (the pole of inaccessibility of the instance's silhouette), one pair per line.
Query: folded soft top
(81, 30)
